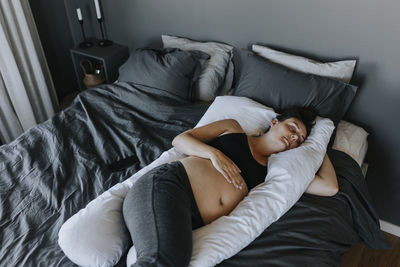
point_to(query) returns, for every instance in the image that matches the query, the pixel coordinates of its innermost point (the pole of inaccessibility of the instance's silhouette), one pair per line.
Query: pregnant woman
(223, 164)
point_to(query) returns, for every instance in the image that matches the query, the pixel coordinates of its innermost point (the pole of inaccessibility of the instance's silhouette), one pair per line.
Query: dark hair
(306, 115)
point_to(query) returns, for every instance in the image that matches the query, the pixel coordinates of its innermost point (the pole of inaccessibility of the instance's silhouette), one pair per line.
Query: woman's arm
(193, 143)
(325, 181)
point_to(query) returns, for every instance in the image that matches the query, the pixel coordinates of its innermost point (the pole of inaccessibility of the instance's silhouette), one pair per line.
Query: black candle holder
(104, 41)
(85, 43)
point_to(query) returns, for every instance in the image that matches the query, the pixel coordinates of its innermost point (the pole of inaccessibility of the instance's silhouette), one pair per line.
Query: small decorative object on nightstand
(94, 74)
(107, 59)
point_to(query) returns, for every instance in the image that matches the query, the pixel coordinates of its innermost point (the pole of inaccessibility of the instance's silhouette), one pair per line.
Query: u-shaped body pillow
(97, 236)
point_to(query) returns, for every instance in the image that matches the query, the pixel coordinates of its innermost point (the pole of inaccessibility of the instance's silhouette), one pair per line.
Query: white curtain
(27, 94)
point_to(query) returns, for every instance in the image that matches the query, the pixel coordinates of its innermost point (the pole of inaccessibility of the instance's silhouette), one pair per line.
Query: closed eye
(293, 130)
(298, 129)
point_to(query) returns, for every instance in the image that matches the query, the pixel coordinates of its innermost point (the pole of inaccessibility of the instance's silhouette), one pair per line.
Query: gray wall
(365, 29)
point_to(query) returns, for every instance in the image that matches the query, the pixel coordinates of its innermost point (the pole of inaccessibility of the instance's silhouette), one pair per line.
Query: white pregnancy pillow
(341, 70)
(251, 115)
(210, 243)
(96, 235)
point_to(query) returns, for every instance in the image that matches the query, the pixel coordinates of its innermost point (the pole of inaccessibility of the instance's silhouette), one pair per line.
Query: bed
(109, 133)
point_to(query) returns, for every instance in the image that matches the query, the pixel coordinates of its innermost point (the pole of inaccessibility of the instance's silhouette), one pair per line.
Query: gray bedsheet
(57, 167)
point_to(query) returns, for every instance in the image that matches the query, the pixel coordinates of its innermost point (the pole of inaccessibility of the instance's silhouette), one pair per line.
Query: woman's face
(288, 134)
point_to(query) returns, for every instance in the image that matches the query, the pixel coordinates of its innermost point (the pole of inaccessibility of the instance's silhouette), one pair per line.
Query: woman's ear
(273, 122)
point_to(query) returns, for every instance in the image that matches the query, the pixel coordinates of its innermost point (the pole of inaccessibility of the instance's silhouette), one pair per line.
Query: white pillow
(341, 70)
(218, 70)
(351, 139)
(227, 235)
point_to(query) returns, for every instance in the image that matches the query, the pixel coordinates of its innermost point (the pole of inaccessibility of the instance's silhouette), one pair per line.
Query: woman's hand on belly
(229, 170)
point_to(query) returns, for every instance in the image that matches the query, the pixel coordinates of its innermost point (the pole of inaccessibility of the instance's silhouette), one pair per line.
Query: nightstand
(110, 57)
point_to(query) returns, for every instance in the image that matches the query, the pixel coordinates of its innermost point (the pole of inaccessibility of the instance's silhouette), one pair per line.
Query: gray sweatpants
(160, 212)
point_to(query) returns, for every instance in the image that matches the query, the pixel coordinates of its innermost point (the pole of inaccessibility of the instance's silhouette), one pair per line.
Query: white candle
(78, 11)
(97, 5)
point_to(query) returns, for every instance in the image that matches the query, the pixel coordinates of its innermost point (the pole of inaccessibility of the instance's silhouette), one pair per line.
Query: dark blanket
(316, 231)
(57, 167)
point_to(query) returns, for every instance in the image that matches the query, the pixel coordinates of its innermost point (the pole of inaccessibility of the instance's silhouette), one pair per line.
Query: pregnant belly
(214, 196)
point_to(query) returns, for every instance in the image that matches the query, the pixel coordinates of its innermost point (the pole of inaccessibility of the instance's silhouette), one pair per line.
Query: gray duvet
(57, 167)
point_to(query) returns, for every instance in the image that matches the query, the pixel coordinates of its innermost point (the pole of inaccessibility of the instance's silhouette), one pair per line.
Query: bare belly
(214, 196)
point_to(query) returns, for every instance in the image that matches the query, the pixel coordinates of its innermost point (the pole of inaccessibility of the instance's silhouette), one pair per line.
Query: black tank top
(236, 147)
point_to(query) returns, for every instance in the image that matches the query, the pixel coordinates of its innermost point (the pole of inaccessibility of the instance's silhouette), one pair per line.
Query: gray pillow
(279, 87)
(171, 70)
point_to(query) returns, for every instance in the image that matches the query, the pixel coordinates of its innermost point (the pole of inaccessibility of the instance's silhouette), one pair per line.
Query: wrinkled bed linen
(316, 231)
(55, 168)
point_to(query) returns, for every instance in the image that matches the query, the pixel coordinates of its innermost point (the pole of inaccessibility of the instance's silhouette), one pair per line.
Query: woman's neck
(260, 147)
